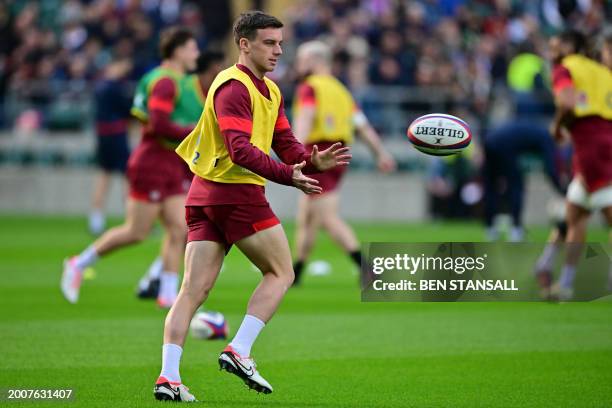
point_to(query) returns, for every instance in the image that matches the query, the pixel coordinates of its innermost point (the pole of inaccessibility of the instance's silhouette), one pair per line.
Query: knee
(286, 275)
(177, 232)
(138, 234)
(290, 277)
(197, 293)
(282, 273)
(328, 221)
(577, 223)
(287, 278)
(309, 241)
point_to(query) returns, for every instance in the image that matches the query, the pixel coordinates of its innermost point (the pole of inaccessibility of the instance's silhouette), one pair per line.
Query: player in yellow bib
(583, 99)
(325, 113)
(228, 151)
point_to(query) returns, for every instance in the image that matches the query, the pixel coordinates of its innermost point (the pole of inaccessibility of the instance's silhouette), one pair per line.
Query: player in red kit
(325, 113)
(582, 88)
(193, 95)
(228, 151)
(158, 180)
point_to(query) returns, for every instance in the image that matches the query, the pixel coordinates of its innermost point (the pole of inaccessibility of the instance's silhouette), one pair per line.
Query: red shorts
(154, 175)
(227, 223)
(328, 180)
(592, 142)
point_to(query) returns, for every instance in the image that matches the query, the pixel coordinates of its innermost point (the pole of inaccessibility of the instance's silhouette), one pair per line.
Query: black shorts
(113, 152)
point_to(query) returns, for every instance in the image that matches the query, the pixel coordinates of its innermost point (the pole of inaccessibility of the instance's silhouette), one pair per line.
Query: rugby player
(325, 114)
(228, 151)
(156, 175)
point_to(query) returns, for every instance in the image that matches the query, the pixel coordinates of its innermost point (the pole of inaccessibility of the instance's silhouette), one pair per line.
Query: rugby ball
(439, 134)
(209, 326)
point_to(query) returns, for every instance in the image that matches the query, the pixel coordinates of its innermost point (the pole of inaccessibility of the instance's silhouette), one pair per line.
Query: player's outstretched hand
(306, 184)
(336, 155)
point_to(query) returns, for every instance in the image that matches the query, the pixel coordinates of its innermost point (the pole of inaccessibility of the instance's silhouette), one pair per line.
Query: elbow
(233, 156)
(239, 155)
(155, 124)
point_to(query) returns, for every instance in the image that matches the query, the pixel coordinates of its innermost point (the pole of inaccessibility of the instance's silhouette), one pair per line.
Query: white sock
(547, 259)
(492, 234)
(171, 359)
(168, 286)
(566, 280)
(246, 335)
(516, 234)
(155, 269)
(87, 258)
(97, 221)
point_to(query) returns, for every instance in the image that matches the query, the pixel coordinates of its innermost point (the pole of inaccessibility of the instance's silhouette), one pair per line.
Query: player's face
(554, 49)
(303, 64)
(266, 49)
(188, 54)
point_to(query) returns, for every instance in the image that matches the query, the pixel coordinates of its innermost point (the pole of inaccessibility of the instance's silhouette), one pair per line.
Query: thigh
(326, 206)
(607, 212)
(509, 167)
(303, 211)
(576, 214)
(308, 220)
(268, 250)
(493, 165)
(203, 261)
(141, 215)
(173, 211)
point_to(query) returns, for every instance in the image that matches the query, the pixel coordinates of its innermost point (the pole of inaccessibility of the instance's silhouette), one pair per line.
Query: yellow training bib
(334, 110)
(593, 82)
(204, 149)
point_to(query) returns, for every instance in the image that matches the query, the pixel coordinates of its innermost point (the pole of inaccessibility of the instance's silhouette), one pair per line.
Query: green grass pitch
(324, 348)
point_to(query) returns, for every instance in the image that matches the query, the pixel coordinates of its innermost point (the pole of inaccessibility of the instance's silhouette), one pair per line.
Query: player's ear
(244, 45)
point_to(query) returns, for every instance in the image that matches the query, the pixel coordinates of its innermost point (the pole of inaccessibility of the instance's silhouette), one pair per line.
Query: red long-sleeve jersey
(233, 109)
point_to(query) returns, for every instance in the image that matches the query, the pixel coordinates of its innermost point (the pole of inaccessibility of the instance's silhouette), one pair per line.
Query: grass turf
(323, 349)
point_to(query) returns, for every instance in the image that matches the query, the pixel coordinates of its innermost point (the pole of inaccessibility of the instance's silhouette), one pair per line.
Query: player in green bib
(158, 179)
(193, 91)
(188, 100)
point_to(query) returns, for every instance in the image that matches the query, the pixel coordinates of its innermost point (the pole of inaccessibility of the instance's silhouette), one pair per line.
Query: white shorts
(578, 194)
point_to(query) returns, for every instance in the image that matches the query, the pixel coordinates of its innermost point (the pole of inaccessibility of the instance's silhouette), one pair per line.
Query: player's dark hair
(172, 38)
(577, 39)
(247, 24)
(208, 58)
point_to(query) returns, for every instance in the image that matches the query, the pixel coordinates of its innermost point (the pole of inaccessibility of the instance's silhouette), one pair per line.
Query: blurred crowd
(463, 46)
(45, 43)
